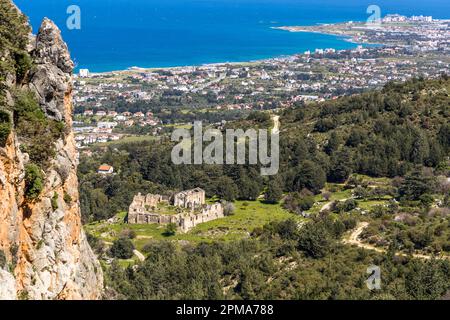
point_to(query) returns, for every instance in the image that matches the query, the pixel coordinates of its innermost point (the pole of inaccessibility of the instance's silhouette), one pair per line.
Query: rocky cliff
(44, 253)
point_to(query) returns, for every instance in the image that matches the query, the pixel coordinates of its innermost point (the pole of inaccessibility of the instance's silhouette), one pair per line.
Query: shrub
(229, 209)
(33, 181)
(326, 195)
(171, 230)
(324, 125)
(67, 198)
(36, 132)
(257, 116)
(378, 211)
(14, 31)
(122, 248)
(360, 193)
(54, 201)
(2, 259)
(298, 203)
(5, 127)
(346, 206)
(40, 244)
(426, 200)
(315, 240)
(96, 243)
(128, 234)
(349, 223)
(23, 64)
(274, 192)
(23, 295)
(13, 250)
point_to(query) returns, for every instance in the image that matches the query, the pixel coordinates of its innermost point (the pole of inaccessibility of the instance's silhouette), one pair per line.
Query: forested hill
(378, 133)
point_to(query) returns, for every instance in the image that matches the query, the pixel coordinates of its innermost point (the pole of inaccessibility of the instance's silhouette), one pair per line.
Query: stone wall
(209, 213)
(190, 198)
(143, 209)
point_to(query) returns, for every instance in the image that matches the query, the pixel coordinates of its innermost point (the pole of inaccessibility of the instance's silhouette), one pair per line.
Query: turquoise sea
(117, 34)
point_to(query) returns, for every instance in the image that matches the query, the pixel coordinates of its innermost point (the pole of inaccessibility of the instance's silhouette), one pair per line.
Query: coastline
(137, 69)
(311, 29)
(134, 69)
(344, 37)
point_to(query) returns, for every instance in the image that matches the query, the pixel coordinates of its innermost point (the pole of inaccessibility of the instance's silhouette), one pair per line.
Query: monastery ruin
(186, 209)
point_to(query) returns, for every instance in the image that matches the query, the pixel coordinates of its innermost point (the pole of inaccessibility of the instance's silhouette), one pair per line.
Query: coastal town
(109, 106)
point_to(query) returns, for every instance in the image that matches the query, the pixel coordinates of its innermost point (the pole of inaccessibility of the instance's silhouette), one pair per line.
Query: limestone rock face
(45, 248)
(53, 67)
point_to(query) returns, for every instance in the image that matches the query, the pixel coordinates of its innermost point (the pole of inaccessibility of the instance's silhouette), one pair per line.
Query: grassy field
(179, 126)
(248, 216)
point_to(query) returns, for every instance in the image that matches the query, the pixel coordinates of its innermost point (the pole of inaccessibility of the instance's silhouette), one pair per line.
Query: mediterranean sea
(118, 34)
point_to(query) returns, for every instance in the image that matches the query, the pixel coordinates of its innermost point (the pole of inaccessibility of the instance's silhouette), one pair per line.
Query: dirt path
(139, 255)
(354, 239)
(326, 206)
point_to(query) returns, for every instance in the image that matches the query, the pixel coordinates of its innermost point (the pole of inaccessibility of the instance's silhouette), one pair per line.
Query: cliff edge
(44, 253)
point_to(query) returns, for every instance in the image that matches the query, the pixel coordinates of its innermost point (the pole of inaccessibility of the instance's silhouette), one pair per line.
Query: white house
(105, 169)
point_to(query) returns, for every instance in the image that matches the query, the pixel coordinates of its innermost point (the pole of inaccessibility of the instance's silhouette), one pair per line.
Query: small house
(105, 169)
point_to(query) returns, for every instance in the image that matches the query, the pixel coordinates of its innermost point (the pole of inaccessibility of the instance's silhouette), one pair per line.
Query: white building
(105, 169)
(84, 73)
(106, 125)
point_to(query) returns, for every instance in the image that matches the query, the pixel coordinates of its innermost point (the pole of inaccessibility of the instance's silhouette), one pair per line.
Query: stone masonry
(190, 205)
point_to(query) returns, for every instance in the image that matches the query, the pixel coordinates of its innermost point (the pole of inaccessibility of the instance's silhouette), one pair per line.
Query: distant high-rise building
(84, 73)
(422, 18)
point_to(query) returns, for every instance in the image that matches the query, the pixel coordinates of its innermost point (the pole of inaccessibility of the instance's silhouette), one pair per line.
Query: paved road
(217, 80)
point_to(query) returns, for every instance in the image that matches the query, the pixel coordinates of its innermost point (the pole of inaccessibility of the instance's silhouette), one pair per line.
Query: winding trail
(354, 239)
(139, 255)
(326, 206)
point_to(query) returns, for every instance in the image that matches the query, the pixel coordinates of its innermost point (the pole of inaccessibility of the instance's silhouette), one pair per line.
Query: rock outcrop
(44, 253)
(53, 67)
